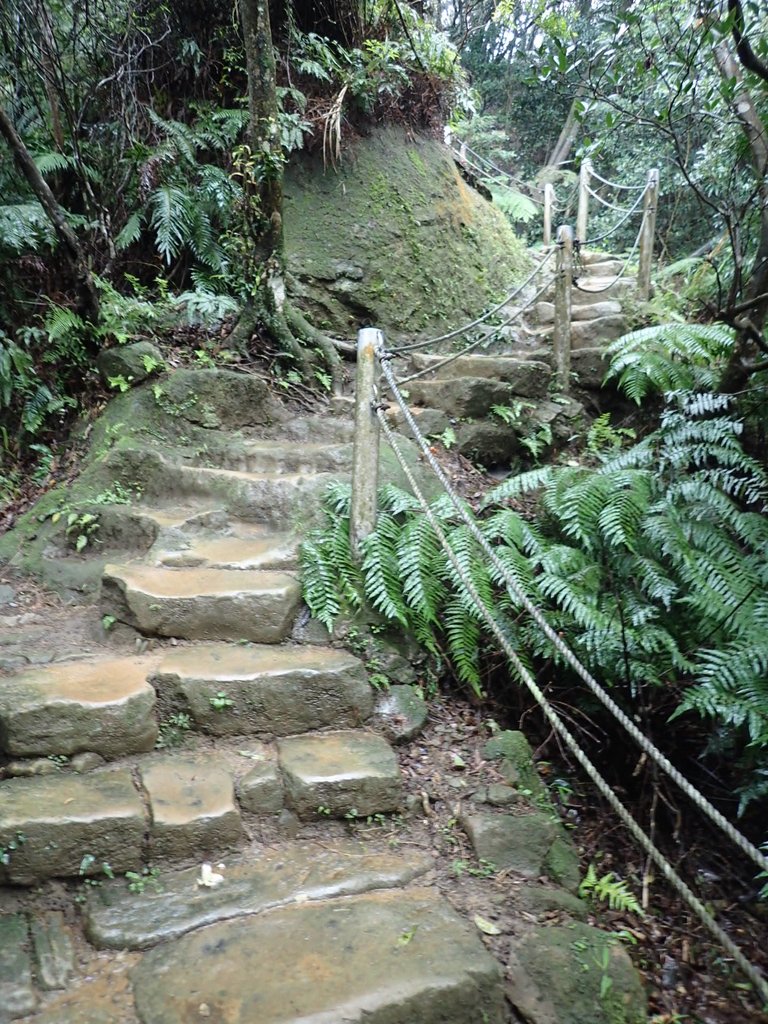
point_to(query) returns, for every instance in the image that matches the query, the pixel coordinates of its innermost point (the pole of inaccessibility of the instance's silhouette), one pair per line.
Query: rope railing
(369, 410)
(458, 331)
(478, 343)
(545, 196)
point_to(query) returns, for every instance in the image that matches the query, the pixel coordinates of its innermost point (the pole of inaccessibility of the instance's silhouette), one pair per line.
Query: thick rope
(536, 614)
(615, 184)
(621, 273)
(623, 814)
(412, 346)
(478, 343)
(618, 224)
(599, 198)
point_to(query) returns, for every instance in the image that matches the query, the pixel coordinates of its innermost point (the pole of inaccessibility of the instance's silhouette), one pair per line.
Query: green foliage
(609, 889)
(670, 357)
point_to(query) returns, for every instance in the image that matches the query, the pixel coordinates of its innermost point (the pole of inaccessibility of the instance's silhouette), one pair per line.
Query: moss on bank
(394, 237)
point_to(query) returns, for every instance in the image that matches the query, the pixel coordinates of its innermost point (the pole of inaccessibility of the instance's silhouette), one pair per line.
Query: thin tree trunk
(753, 307)
(88, 299)
(568, 135)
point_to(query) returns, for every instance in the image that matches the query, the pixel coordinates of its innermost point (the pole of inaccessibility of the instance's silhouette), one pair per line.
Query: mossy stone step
(276, 690)
(340, 773)
(202, 604)
(268, 456)
(588, 333)
(49, 825)
(392, 957)
(545, 311)
(104, 705)
(119, 919)
(524, 374)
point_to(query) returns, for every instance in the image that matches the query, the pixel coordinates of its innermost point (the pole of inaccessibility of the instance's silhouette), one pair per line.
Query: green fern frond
(131, 231)
(171, 216)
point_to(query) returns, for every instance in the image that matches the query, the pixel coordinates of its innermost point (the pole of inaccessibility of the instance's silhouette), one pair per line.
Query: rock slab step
(105, 706)
(299, 872)
(192, 808)
(382, 958)
(63, 819)
(202, 604)
(340, 773)
(277, 690)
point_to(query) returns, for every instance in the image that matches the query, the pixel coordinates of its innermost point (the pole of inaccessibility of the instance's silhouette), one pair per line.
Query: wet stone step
(299, 872)
(49, 825)
(232, 690)
(236, 550)
(106, 706)
(202, 604)
(393, 957)
(340, 773)
(523, 373)
(192, 808)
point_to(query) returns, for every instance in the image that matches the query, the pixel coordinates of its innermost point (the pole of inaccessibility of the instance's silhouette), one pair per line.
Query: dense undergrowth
(646, 555)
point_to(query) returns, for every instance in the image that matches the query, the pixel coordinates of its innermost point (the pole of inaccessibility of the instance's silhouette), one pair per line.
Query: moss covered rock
(395, 237)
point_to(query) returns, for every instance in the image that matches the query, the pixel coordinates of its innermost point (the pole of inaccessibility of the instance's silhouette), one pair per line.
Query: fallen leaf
(486, 927)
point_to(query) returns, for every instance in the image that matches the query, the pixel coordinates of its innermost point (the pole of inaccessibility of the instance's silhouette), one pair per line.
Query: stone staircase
(515, 369)
(287, 931)
(193, 810)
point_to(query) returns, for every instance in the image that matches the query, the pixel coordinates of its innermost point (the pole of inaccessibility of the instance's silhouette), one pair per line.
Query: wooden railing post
(650, 203)
(448, 135)
(365, 457)
(463, 153)
(582, 213)
(549, 205)
(561, 338)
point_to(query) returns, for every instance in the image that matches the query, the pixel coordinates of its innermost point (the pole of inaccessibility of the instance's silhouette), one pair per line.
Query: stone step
(588, 290)
(590, 333)
(340, 774)
(267, 497)
(523, 374)
(103, 705)
(275, 690)
(602, 268)
(327, 429)
(277, 457)
(244, 546)
(473, 396)
(545, 311)
(70, 825)
(116, 918)
(192, 808)
(202, 604)
(391, 957)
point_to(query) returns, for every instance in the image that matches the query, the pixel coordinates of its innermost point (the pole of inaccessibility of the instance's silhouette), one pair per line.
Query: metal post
(365, 457)
(585, 173)
(650, 203)
(561, 338)
(549, 205)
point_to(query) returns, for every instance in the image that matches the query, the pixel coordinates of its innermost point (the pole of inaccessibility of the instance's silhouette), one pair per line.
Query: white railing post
(448, 135)
(463, 154)
(365, 457)
(549, 205)
(647, 232)
(561, 338)
(582, 213)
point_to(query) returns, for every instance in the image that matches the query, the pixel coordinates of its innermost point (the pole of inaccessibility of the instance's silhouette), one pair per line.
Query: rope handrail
(536, 614)
(750, 971)
(477, 343)
(504, 184)
(619, 223)
(604, 202)
(495, 167)
(414, 345)
(615, 184)
(621, 273)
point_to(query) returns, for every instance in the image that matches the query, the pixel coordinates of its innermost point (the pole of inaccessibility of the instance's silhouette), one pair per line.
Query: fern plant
(609, 889)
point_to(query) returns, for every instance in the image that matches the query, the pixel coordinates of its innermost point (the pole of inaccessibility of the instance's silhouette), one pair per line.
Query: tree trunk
(750, 314)
(264, 185)
(88, 299)
(568, 135)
